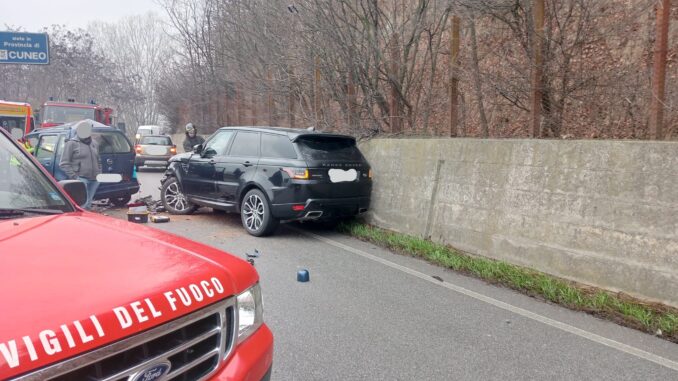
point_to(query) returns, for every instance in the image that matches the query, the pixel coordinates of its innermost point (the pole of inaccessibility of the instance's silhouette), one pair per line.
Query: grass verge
(656, 319)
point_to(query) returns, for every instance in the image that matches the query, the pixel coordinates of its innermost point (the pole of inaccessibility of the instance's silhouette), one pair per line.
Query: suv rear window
(277, 146)
(329, 148)
(156, 140)
(111, 142)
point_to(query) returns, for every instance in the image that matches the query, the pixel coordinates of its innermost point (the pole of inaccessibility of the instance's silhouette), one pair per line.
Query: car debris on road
(159, 219)
(154, 206)
(303, 276)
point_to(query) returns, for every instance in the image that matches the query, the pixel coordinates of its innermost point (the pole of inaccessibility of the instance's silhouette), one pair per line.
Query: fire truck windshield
(15, 118)
(8, 123)
(63, 114)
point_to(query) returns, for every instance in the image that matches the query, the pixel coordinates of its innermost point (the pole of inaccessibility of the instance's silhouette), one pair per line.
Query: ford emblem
(154, 372)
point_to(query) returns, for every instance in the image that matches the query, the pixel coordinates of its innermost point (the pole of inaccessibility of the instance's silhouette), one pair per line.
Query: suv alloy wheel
(255, 213)
(174, 199)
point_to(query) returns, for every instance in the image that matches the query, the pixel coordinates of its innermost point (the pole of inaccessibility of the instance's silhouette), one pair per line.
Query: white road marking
(505, 306)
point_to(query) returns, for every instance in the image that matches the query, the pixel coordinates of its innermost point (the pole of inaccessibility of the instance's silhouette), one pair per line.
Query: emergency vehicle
(57, 113)
(16, 115)
(89, 297)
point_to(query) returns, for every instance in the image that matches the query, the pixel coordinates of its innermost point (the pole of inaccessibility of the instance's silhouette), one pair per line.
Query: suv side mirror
(76, 189)
(197, 148)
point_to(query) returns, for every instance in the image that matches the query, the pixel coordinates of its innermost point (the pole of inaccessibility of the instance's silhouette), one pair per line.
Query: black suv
(270, 174)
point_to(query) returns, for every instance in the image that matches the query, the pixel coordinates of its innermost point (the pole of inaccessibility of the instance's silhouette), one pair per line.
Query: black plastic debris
(100, 206)
(154, 206)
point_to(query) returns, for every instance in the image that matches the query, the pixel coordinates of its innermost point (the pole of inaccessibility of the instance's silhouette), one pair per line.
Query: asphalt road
(371, 314)
(149, 179)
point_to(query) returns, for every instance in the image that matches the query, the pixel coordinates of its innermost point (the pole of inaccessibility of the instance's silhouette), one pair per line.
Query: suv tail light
(297, 173)
(173, 150)
(137, 148)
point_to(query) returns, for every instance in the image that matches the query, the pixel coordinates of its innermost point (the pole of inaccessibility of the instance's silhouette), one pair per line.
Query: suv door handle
(247, 163)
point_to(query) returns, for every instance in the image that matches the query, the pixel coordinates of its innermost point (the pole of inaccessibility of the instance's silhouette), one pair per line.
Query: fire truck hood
(97, 280)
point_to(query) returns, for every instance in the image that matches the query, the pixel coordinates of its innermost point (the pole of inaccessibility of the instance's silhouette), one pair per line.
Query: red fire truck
(57, 113)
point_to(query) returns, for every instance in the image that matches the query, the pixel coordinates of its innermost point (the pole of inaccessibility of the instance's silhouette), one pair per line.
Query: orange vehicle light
(297, 173)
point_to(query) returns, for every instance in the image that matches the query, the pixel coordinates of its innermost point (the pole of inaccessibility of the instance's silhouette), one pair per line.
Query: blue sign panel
(24, 48)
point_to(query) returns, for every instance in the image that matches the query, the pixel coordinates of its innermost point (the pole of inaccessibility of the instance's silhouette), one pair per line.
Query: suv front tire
(174, 199)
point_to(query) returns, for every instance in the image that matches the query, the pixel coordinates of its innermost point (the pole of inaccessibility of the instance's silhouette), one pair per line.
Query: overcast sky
(33, 15)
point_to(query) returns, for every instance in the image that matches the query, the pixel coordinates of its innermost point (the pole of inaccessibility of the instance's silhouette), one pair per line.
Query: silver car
(154, 151)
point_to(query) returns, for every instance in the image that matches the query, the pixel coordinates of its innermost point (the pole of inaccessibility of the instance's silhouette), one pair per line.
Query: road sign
(24, 48)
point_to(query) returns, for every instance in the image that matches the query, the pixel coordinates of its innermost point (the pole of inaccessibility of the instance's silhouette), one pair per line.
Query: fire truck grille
(193, 345)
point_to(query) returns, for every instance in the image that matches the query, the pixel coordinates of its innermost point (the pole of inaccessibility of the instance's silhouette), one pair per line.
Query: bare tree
(76, 71)
(360, 65)
(140, 50)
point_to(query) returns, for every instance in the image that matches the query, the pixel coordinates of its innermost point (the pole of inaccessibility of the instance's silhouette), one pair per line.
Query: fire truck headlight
(250, 312)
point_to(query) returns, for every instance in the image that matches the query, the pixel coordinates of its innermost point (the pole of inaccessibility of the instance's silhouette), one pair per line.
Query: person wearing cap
(192, 138)
(80, 160)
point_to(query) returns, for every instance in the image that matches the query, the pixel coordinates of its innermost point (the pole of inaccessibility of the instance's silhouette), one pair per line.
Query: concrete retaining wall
(603, 213)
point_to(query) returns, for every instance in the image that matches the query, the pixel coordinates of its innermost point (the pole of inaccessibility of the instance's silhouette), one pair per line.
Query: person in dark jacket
(80, 159)
(192, 138)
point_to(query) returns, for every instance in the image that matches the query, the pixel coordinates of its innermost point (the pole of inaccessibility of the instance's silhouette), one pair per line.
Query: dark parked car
(154, 151)
(115, 151)
(270, 175)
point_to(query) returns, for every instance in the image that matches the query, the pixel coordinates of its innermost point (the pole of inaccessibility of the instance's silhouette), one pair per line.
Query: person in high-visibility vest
(28, 147)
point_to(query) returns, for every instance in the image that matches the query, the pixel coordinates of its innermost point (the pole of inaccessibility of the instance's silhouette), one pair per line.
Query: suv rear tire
(174, 199)
(255, 214)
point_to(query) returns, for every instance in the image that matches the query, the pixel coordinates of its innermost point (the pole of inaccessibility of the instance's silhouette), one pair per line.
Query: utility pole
(537, 66)
(271, 104)
(291, 101)
(291, 110)
(228, 107)
(351, 101)
(238, 104)
(316, 93)
(394, 107)
(659, 72)
(254, 109)
(453, 70)
(476, 78)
